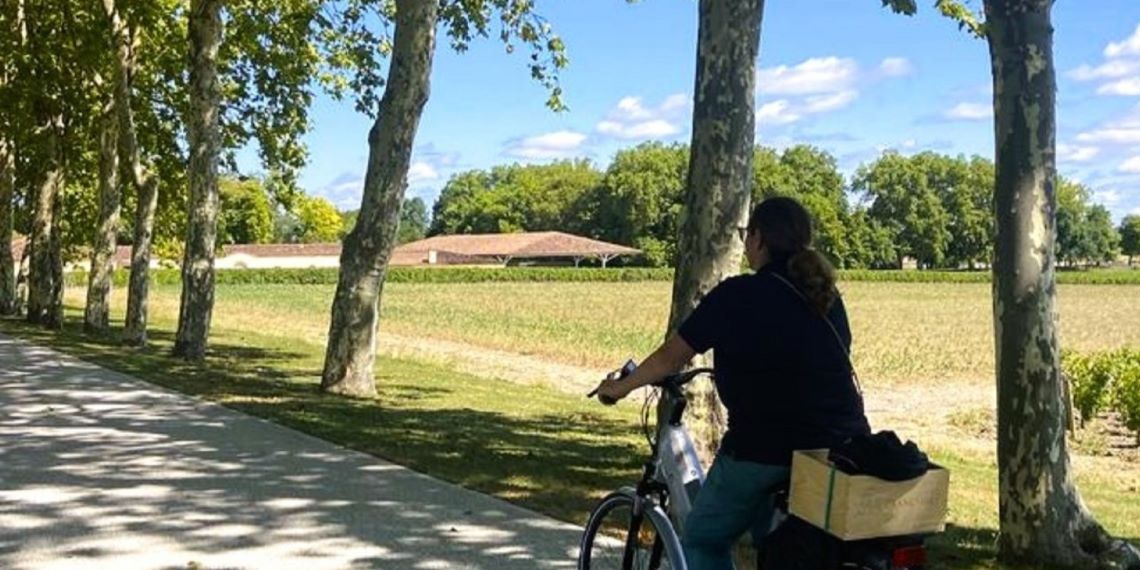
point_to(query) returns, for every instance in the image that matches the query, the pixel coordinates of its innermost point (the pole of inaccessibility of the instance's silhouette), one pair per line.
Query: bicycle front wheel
(617, 538)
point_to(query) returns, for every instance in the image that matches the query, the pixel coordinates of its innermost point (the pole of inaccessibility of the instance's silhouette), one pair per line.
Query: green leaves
(968, 20)
(937, 208)
(906, 7)
(1130, 236)
(1106, 380)
(956, 10)
(244, 213)
(1085, 233)
(318, 220)
(516, 198)
(413, 221)
(517, 23)
(355, 39)
(269, 58)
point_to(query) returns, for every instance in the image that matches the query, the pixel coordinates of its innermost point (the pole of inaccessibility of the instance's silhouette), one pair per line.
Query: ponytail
(786, 229)
(814, 276)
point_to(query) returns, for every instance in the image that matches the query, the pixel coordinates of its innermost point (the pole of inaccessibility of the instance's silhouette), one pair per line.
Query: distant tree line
(932, 208)
(250, 212)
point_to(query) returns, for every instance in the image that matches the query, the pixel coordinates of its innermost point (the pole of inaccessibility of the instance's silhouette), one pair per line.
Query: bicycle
(648, 518)
(650, 515)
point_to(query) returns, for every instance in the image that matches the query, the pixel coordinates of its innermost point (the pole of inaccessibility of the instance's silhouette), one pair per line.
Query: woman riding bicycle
(780, 338)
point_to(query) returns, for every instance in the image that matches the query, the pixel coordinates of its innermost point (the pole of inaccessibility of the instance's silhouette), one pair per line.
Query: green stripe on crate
(827, 506)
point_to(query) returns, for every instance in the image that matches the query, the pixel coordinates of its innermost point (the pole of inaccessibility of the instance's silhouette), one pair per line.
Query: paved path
(101, 470)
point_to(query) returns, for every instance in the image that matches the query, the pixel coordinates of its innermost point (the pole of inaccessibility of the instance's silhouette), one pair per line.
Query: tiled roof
(283, 249)
(521, 245)
(450, 249)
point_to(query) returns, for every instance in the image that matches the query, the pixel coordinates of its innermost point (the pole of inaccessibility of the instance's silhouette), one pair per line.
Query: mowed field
(924, 350)
(904, 332)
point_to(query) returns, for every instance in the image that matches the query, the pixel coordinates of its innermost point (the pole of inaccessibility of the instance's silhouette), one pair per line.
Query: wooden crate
(854, 507)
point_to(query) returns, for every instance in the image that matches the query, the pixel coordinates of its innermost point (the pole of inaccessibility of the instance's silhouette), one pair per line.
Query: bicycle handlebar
(683, 378)
(673, 380)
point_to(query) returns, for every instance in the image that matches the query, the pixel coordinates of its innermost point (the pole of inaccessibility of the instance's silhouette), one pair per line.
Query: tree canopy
(930, 207)
(1130, 236)
(245, 214)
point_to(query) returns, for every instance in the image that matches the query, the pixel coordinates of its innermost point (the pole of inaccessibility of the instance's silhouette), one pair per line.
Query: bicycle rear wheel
(616, 538)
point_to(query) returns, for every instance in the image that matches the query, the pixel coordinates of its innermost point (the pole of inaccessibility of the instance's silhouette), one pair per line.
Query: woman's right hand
(611, 390)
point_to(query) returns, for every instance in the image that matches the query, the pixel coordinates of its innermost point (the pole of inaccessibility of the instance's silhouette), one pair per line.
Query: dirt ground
(956, 413)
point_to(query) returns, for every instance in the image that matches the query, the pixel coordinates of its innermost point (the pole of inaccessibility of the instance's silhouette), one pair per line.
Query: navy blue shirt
(780, 370)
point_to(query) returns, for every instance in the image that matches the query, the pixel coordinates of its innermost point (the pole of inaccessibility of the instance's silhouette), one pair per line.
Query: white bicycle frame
(679, 469)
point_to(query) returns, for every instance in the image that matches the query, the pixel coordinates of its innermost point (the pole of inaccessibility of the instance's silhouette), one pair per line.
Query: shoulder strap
(838, 337)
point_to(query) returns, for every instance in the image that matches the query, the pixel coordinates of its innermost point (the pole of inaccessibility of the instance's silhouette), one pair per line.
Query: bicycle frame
(668, 486)
(676, 464)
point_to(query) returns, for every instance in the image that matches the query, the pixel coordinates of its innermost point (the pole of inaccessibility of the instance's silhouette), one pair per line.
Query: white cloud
(632, 120)
(1119, 135)
(817, 85)
(344, 191)
(1108, 70)
(970, 111)
(420, 172)
(815, 75)
(1132, 165)
(1076, 153)
(631, 109)
(895, 67)
(558, 144)
(1124, 131)
(1106, 197)
(1135, 212)
(674, 102)
(1120, 71)
(656, 128)
(825, 103)
(1129, 87)
(777, 113)
(1129, 46)
(784, 111)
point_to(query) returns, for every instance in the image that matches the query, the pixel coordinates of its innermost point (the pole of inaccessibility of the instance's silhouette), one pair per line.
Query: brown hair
(786, 228)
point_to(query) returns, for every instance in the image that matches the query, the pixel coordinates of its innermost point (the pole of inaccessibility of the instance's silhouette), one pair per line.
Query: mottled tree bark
(204, 137)
(1043, 520)
(22, 280)
(8, 301)
(96, 314)
(136, 174)
(134, 330)
(717, 193)
(44, 244)
(351, 348)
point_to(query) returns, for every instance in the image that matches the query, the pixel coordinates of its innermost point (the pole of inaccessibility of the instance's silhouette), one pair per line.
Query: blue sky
(844, 75)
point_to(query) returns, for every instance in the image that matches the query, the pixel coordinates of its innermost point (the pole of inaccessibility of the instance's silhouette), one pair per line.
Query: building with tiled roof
(504, 248)
(474, 249)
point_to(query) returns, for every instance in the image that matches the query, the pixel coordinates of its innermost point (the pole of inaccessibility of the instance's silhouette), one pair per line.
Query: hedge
(1106, 380)
(1075, 277)
(328, 276)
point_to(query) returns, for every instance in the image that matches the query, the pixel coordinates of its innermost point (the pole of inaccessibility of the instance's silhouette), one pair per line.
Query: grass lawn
(904, 332)
(540, 448)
